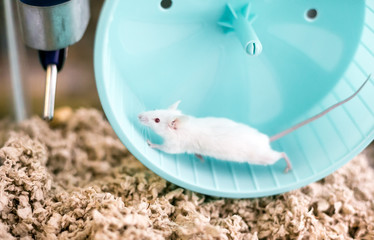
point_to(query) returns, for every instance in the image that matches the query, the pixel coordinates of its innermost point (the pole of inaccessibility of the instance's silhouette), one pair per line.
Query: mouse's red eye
(157, 120)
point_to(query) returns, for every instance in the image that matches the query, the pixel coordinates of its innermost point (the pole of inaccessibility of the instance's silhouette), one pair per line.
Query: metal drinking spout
(50, 92)
(241, 23)
(52, 62)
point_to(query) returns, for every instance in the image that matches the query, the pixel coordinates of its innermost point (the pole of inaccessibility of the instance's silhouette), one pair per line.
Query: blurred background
(75, 82)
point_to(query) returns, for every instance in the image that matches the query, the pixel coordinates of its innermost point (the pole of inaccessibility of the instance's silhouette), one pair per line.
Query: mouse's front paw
(150, 144)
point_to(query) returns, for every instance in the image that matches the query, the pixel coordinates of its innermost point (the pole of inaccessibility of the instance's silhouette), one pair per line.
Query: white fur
(219, 138)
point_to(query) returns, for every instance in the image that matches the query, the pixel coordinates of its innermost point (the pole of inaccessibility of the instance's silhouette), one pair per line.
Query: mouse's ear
(175, 105)
(175, 124)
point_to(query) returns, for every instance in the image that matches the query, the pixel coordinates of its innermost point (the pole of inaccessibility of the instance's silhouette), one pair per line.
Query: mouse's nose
(142, 118)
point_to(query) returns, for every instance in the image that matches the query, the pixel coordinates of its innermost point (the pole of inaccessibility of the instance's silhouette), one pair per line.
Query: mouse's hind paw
(287, 169)
(288, 162)
(199, 156)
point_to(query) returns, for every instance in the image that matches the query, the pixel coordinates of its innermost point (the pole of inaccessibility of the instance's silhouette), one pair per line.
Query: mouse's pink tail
(299, 125)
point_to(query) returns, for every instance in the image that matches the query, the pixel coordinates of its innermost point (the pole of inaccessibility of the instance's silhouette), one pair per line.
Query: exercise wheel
(268, 64)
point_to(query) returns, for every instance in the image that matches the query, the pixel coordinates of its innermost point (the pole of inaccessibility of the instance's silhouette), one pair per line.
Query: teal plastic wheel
(269, 64)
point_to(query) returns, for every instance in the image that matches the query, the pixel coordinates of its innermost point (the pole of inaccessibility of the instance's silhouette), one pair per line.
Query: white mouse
(219, 138)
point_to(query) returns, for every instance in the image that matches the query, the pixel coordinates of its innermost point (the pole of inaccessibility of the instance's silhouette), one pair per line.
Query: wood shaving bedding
(76, 180)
